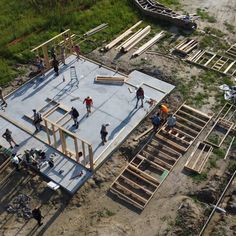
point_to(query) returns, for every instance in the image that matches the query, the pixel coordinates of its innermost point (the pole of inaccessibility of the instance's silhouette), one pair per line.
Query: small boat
(163, 13)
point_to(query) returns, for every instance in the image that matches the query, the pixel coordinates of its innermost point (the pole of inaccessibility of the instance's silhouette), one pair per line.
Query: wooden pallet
(231, 52)
(186, 46)
(222, 127)
(141, 178)
(198, 157)
(213, 61)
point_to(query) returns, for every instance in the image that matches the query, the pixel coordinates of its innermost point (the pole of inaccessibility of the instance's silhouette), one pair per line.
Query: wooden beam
(54, 136)
(91, 163)
(45, 57)
(50, 40)
(47, 131)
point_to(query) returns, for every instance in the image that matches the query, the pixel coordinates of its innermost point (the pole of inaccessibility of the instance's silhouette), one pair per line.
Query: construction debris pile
(229, 92)
(20, 206)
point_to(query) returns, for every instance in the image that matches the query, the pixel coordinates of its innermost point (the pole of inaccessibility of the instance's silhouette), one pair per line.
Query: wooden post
(70, 42)
(76, 149)
(91, 164)
(84, 154)
(63, 144)
(45, 55)
(54, 136)
(47, 131)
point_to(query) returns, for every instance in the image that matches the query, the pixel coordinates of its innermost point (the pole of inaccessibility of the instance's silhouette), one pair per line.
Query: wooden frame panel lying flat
(196, 158)
(220, 122)
(149, 154)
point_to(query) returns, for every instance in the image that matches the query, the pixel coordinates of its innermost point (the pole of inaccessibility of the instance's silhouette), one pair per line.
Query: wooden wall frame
(43, 48)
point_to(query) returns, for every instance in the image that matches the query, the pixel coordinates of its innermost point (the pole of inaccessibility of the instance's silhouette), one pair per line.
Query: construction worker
(2, 98)
(74, 116)
(163, 111)
(139, 96)
(156, 121)
(37, 215)
(55, 65)
(8, 137)
(88, 102)
(171, 121)
(37, 118)
(104, 133)
(16, 161)
(77, 51)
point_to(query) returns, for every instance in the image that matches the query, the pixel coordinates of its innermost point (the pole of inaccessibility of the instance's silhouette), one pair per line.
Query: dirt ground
(182, 203)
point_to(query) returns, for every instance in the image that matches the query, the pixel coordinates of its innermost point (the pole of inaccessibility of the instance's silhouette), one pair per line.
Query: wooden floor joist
(152, 164)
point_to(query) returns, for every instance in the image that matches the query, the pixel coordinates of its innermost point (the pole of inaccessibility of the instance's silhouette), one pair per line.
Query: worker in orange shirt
(164, 110)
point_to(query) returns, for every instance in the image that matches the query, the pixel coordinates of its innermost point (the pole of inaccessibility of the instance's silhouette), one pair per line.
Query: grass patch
(197, 178)
(229, 27)
(205, 16)
(170, 2)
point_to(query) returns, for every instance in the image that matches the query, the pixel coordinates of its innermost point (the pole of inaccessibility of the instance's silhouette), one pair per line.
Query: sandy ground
(173, 210)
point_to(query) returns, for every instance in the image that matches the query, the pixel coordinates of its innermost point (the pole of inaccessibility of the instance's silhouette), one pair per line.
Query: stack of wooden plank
(122, 36)
(186, 46)
(104, 79)
(149, 44)
(136, 39)
(198, 157)
(231, 52)
(141, 178)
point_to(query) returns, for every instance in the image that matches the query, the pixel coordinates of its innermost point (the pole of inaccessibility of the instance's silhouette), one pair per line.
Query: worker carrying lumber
(88, 102)
(171, 121)
(163, 111)
(139, 96)
(156, 121)
(4, 103)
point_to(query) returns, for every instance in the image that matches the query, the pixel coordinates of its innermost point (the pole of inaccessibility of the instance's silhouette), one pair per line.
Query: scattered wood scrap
(231, 52)
(122, 36)
(186, 46)
(213, 61)
(198, 157)
(110, 79)
(96, 29)
(149, 44)
(143, 134)
(136, 39)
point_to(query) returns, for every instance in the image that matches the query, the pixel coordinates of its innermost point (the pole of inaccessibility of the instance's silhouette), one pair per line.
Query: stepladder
(73, 75)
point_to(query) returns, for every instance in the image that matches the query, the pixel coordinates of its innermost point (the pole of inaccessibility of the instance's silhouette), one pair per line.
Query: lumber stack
(136, 39)
(122, 36)
(149, 44)
(186, 46)
(232, 51)
(104, 79)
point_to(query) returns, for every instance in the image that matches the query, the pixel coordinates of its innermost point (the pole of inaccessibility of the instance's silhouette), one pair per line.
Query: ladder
(73, 75)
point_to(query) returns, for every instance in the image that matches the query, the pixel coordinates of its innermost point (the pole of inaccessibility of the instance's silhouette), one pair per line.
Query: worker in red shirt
(88, 102)
(164, 110)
